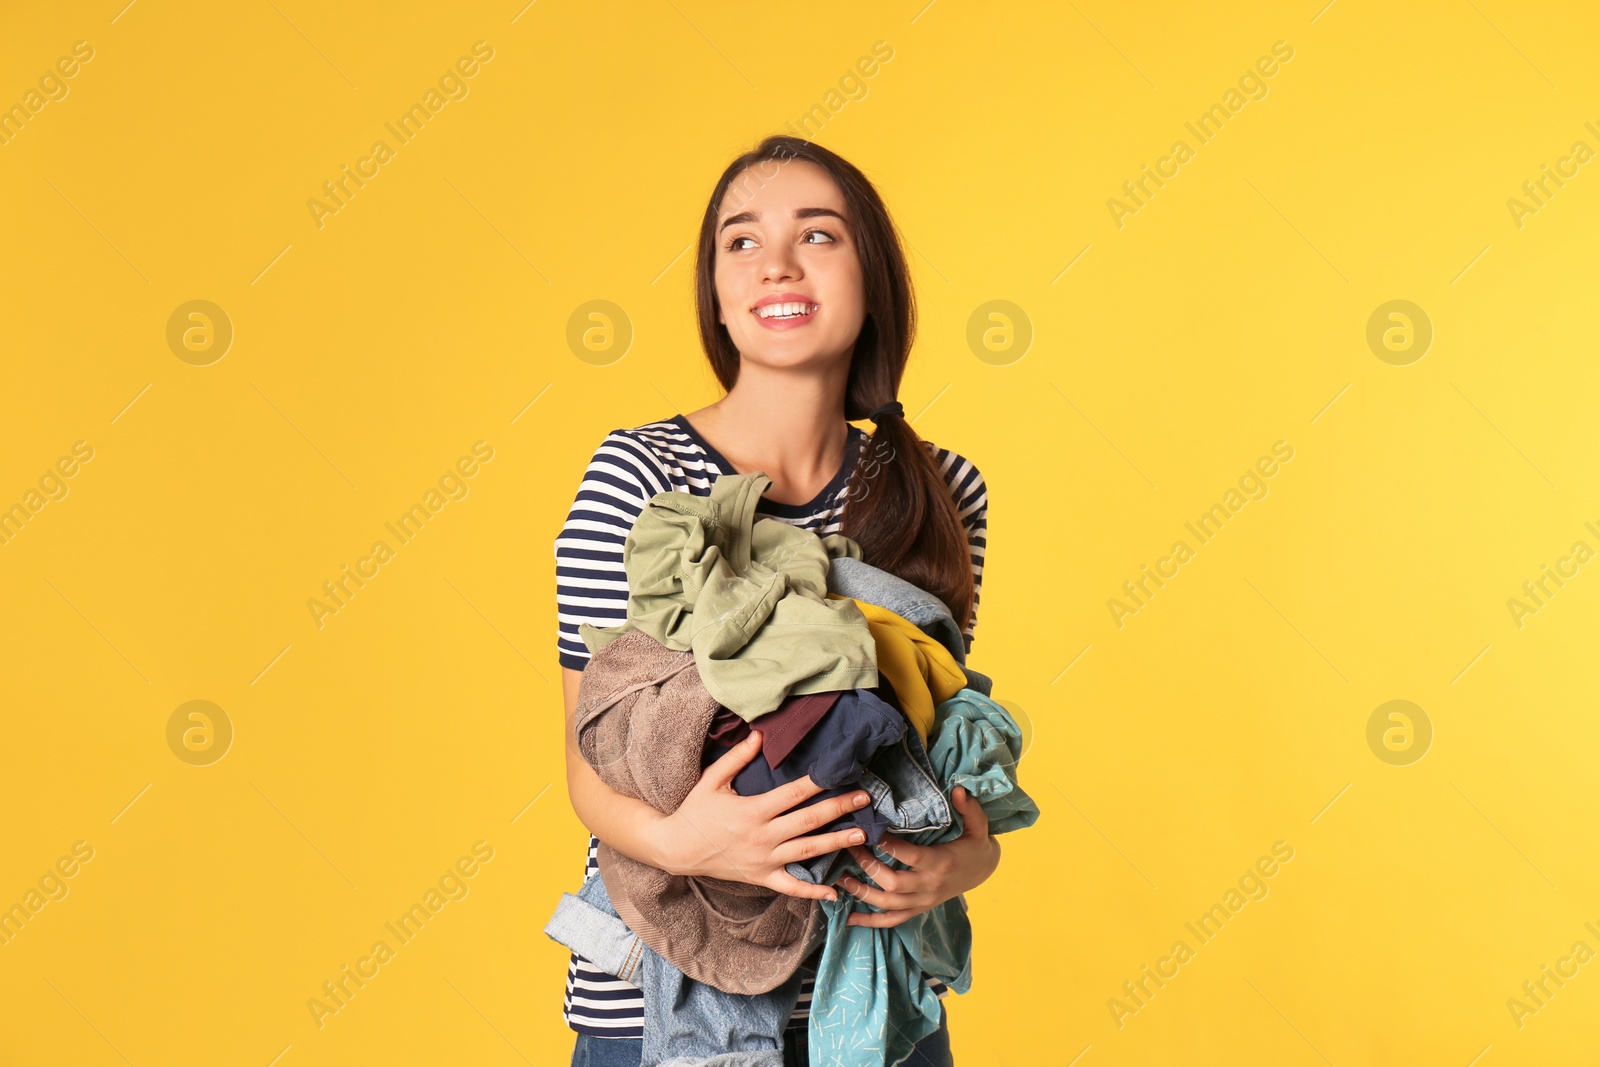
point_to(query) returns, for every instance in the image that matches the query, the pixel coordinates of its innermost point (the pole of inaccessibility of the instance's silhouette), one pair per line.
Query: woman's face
(783, 231)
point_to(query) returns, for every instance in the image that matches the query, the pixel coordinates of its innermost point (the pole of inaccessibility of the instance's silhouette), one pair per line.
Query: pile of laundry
(855, 677)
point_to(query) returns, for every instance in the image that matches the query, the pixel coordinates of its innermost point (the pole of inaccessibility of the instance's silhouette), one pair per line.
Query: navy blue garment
(905, 790)
(834, 752)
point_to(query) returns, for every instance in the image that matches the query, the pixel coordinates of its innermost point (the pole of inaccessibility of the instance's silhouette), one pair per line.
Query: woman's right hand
(720, 834)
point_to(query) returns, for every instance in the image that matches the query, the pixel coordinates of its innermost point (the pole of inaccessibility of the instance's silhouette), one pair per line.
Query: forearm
(627, 824)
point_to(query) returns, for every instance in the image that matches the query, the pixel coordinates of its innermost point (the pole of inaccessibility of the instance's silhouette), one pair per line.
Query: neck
(787, 412)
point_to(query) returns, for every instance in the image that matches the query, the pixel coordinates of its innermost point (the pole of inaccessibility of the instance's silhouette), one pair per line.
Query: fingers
(882, 899)
(727, 766)
(895, 891)
(806, 846)
(808, 818)
(781, 798)
(887, 878)
(916, 857)
(784, 882)
(972, 813)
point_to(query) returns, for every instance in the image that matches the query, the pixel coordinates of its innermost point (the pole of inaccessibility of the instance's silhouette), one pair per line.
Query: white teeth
(784, 311)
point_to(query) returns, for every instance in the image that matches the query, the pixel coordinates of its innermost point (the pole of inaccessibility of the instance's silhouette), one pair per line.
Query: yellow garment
(922, 671)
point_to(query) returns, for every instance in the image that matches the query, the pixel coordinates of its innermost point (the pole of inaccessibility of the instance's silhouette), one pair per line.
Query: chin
(767, 356)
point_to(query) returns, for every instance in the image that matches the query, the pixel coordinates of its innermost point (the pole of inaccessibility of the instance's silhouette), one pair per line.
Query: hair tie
(891, 408)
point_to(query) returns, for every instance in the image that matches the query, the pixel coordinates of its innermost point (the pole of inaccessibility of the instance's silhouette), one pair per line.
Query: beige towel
(641, 723)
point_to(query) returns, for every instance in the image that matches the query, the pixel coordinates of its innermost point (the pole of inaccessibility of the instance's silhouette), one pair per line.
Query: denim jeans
(592, 1051)
(686, 1023)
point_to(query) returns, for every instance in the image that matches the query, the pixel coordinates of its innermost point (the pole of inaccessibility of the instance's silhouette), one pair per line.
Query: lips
(801, 309)
(800, 313)
(783, 298)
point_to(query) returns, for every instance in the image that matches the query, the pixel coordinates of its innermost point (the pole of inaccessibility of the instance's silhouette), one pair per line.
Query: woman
(806, 313)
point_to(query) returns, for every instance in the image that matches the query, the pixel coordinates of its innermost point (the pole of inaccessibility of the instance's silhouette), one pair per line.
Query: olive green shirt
(748, 597)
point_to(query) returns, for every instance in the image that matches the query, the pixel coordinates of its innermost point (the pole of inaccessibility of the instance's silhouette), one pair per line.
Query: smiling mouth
(787, 310)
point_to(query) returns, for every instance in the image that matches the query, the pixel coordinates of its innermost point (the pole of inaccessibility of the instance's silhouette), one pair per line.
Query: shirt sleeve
(591, 582)
(972, 501)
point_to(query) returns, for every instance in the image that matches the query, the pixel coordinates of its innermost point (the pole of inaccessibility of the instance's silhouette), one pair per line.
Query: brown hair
(898, 506)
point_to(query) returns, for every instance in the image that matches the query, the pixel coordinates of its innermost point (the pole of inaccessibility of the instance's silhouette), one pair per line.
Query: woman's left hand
(938, 872)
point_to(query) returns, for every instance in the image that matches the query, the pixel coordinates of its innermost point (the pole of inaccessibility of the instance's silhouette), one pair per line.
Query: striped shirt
(627, 469)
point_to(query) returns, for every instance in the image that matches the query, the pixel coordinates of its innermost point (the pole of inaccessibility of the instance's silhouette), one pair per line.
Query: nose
(780, 264)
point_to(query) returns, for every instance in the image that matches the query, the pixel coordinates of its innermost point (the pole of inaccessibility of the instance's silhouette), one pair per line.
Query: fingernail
(861, 799)
(857, 837)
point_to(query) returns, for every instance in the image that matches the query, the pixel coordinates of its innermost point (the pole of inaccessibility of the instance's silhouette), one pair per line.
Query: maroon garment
(781, 729)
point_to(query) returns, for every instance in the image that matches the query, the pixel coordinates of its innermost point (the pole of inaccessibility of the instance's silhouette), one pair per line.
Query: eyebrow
(799, 213)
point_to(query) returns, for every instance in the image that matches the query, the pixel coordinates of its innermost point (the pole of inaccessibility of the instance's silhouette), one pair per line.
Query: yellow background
(432, 312)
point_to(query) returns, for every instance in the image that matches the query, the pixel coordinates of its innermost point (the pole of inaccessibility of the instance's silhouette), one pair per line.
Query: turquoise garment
(869, 1006)
(747, 596)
